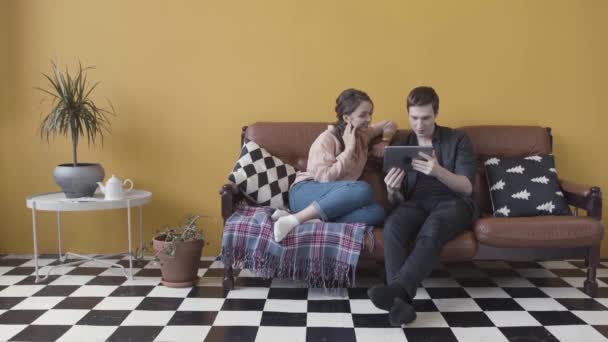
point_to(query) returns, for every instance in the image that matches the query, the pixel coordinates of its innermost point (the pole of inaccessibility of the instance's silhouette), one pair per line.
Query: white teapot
(113, 190)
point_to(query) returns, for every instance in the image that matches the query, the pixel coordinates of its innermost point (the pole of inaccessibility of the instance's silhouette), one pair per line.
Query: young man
(433, 204)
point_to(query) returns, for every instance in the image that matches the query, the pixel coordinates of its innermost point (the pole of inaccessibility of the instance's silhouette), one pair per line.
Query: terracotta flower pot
(180, 270)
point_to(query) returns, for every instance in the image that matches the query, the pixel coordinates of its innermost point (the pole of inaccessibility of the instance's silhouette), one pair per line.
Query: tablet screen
(401, 156)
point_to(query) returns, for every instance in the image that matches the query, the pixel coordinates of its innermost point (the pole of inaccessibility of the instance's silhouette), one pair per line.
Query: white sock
(279, 213)
(283, 226)
(313, 221)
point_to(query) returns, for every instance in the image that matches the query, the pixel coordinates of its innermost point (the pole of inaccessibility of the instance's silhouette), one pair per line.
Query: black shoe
(382, 296)
(401, 313)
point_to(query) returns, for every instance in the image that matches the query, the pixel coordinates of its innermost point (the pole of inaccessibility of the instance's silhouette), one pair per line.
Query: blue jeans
(340, 201)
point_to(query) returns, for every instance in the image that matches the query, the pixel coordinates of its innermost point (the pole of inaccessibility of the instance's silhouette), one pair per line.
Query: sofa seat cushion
(461, 248)
(545, 231)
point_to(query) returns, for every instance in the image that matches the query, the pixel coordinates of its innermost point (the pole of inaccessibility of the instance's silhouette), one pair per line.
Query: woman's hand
(378, 149)
(393, 180)
(350, 137)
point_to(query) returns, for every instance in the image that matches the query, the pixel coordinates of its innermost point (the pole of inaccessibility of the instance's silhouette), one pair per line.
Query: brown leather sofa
(491, 238)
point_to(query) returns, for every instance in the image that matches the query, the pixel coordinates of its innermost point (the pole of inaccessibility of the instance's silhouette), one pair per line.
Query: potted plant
(74, 113)
(179, 251)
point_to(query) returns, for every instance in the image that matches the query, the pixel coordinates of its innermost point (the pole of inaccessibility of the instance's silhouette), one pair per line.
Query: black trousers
(414, 234)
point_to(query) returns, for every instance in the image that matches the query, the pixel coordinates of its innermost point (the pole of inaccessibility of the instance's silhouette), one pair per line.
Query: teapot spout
(101, 187)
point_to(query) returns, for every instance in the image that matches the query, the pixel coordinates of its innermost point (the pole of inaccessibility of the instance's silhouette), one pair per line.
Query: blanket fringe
(327, 273)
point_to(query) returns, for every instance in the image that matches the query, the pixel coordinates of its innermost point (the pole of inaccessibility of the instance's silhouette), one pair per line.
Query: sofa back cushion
(290, 141)
(503, 142)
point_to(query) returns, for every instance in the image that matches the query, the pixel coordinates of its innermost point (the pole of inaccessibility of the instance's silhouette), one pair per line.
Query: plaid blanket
(321, 254)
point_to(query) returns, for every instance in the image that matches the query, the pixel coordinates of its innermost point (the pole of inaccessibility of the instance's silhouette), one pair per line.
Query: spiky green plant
(74, 112)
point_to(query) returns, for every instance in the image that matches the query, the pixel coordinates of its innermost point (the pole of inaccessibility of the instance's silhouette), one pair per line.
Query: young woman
(329, 189)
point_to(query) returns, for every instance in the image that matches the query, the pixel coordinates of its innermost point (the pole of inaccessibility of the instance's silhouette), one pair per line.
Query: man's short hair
(422, 96)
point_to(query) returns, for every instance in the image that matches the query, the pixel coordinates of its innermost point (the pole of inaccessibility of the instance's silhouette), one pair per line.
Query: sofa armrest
(584, 197)
(230, 196)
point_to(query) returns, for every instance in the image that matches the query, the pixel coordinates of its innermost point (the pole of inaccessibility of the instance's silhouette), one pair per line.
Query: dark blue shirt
(454, 152)
(430, 188)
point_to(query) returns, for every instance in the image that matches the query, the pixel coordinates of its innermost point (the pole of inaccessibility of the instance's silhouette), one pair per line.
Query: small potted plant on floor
(178, 249)
(74, 113)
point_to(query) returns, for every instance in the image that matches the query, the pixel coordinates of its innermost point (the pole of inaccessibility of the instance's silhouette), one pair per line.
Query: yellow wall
(6, 77)
(3, 57)
(184, 76)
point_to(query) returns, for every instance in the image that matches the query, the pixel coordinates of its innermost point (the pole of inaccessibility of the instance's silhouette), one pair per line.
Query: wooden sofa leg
(593, 260)
(228, 282)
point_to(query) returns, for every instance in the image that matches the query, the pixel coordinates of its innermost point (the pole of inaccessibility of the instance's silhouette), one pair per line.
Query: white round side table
(56, 201)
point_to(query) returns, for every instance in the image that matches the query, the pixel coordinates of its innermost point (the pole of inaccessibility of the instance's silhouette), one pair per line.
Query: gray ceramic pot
(80, 180)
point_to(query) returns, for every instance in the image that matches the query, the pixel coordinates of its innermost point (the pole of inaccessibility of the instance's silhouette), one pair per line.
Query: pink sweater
(326, 161)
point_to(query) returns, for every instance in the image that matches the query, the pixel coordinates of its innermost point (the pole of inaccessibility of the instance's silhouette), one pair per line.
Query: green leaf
(73, 111)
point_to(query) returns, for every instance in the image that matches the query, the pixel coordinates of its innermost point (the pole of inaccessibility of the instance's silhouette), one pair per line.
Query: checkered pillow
(262, 177)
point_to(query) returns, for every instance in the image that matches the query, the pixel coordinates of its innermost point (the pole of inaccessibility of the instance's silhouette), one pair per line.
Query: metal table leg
(141, 233)
(34, 228)
(59, 233)
(130, 247)
(64, 256)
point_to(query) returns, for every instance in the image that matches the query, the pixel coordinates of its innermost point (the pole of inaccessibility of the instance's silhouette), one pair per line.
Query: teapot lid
(114, 179)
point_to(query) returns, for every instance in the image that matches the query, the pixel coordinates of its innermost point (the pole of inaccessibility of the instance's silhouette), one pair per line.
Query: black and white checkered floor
(475, 301)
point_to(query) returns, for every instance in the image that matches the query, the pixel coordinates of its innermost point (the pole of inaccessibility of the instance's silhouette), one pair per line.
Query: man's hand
(393, 179)
(428, 165)
(378, 149)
